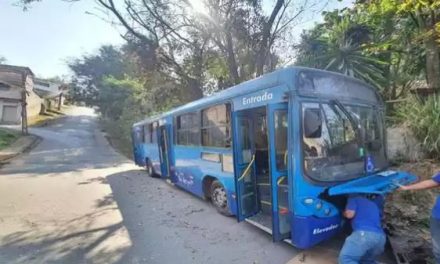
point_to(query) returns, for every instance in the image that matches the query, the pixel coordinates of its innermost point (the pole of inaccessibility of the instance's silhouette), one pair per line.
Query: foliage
(7, 137)
(230, 42)
(423, 118)
(386, 43)
(89, 71)
(341, 44)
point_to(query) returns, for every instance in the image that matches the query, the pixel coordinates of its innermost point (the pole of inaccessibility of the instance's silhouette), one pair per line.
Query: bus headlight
(308, 201)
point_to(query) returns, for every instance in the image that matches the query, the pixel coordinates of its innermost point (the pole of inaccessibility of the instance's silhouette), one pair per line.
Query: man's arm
(350, 209)
(426, 184)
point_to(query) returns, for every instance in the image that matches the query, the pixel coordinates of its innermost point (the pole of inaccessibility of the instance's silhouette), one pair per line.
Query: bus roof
(284, 75)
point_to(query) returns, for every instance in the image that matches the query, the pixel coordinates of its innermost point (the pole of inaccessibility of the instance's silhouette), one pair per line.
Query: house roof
(14, 75)
(18, 69)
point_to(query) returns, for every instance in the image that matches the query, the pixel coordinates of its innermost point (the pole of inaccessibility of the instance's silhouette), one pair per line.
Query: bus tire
(219, 198)
(150, 169)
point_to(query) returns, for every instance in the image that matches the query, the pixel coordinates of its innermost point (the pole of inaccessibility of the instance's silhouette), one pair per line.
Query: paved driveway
(73, 199)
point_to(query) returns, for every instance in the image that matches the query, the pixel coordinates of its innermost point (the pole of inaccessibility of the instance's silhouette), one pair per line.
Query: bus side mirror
(312, 123)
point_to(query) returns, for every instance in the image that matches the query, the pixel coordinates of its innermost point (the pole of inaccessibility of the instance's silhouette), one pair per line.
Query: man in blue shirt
(368, 238)
(435, 216)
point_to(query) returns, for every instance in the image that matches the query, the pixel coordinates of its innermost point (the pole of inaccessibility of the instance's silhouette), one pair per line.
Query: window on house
(216, 126)
(4, 87)
(188, 129)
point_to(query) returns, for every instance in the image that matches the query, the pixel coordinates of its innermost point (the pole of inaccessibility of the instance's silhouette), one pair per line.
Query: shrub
(422, 116)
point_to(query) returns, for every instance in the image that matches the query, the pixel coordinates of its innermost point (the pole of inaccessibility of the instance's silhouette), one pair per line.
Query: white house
(52, 92)
(16, 91)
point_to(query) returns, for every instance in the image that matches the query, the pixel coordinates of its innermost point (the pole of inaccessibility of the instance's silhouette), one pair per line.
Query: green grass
(7, 137)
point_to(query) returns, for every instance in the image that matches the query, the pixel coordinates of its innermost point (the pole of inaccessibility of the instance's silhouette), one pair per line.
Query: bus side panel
(190, 171)
(152, 154)
(310, 230)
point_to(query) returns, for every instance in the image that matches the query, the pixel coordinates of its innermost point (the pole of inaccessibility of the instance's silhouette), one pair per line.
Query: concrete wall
(34, 103)
(12, 92)
(402, 145)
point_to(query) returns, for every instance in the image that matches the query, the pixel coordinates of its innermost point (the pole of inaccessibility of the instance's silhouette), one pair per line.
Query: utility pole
(24, 124)
(59, 100)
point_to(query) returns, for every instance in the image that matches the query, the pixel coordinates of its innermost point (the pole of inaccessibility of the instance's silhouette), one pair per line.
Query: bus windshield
(337, 152)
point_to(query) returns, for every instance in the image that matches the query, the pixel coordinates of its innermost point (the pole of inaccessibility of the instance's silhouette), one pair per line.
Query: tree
(425, 15)
(164, 30)
(341, 44)
(234, 34)
(2, 59)
(90, 70)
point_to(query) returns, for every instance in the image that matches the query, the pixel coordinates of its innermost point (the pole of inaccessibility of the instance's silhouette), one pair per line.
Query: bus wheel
(150, 169)
(219, 198)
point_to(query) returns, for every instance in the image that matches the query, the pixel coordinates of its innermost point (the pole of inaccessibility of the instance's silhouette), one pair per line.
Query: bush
(422, 116)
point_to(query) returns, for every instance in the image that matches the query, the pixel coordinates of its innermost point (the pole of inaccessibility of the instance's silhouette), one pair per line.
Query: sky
(52, 32)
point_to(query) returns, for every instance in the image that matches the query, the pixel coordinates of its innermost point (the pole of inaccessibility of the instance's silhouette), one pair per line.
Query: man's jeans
(435, 234)
(362, 247)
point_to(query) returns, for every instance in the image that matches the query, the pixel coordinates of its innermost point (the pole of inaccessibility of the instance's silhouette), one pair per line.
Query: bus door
(278, 146)
(164, 150)
(244, 159)
(137, 139)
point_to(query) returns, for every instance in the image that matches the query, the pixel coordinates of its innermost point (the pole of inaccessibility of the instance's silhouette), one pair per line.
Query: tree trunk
(265, 47)
(432, 64)
(232, 63)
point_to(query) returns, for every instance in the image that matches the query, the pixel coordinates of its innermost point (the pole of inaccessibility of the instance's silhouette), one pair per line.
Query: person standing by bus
(435, 215)
(367, 241)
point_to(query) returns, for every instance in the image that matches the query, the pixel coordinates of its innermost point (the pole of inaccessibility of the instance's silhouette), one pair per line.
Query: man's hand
(349, 214)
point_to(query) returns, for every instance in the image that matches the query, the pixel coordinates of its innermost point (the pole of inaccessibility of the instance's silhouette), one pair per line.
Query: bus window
(216, 126)
(334, 155)
(281, 139)
(188, 129)
(139, 134)
(147, 133)
(154, 132)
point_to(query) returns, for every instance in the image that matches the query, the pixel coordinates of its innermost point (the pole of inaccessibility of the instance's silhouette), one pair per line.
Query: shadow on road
(169, 225)
(163, 224)
(63, 246)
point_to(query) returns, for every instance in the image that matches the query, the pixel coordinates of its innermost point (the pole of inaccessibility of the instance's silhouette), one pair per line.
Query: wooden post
(24, 124)
(59, 101)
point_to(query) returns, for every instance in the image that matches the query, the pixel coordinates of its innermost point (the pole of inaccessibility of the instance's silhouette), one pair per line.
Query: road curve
(73, 199)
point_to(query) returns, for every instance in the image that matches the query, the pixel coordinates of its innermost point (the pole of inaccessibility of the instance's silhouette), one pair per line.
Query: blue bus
(282, 151)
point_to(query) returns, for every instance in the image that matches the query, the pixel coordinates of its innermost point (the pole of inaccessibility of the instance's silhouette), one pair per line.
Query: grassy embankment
(118, 136)
(7, 137)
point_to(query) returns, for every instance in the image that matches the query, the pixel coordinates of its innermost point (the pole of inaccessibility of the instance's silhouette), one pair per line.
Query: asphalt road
(73, 199)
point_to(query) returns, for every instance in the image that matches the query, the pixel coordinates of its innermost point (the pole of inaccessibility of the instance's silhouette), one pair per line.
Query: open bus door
(278, 142)
(164, 151)
(244, 159)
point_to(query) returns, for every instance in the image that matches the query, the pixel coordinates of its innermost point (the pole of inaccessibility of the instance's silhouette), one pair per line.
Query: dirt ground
(409, 212)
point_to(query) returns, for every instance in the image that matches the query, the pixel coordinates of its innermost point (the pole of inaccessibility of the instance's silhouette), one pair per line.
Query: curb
(5, 158)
